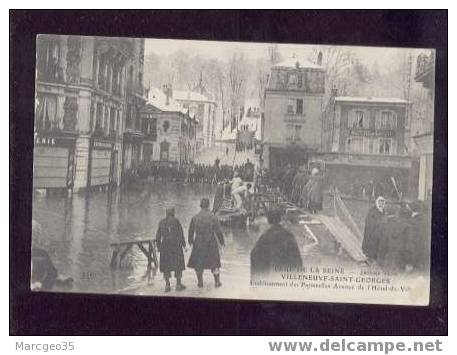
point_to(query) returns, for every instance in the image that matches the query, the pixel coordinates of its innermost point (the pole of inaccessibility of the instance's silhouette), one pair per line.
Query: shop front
(54, 162)
(103, 164)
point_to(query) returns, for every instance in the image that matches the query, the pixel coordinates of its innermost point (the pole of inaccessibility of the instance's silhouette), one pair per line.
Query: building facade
(169, 129)
(135, 100)
(292, 112)
(423, 137)
(365, 125)
(81, 100)
(204, 111)
(364, 140)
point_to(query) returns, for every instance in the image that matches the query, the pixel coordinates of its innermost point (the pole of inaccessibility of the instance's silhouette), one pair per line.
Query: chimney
(319, 58)
(168, 91)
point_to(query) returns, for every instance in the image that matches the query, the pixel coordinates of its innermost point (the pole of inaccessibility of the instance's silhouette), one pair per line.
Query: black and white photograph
(234, 170)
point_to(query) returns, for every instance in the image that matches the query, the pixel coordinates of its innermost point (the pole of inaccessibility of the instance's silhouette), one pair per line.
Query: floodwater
(78, 230)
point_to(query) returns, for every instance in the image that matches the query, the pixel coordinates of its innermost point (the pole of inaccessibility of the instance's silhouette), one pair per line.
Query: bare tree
(237, 75)
(338, 63)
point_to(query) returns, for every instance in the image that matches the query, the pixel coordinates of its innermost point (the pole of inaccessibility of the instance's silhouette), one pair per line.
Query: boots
(200, 279)
(179, 285)
(217, 280)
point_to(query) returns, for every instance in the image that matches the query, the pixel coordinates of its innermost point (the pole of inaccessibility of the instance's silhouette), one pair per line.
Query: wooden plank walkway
(350, 242)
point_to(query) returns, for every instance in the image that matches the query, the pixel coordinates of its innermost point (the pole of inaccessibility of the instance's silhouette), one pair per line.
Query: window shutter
(299, 106)
(351, 118)
(366, 119)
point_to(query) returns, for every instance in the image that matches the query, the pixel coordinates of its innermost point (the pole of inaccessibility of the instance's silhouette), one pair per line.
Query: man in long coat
(170, 242)
(374, 230)
(276, 247)
(205, 235)
(397, 247)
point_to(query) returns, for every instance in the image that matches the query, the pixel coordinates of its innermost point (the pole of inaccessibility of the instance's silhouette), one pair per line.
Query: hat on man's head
(204, 203)
(274, 216)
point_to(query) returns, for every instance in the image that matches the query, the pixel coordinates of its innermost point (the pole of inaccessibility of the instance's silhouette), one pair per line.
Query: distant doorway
(164, 151)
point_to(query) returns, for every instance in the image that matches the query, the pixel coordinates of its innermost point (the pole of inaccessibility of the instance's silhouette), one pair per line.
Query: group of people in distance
(188, 173)
(397, 240)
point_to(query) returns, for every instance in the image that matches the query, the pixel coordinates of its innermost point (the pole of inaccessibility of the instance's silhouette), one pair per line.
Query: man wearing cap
(374, 229)
(205, 236)
(276, 248)
(170, 242)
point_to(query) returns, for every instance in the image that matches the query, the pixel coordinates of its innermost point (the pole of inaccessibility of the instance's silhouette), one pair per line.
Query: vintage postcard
(232, 170)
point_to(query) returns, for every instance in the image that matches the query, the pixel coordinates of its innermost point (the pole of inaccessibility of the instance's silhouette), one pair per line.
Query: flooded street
(78, 232)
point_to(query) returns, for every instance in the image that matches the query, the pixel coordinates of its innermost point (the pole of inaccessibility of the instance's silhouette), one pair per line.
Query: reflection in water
(80, 229)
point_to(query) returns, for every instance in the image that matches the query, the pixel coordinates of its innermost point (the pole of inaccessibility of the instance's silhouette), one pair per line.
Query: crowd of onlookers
(187, 173)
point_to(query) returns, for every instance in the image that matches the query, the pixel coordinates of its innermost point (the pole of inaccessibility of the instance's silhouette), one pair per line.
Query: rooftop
(158, 99)
(189, 95)
(390, 100)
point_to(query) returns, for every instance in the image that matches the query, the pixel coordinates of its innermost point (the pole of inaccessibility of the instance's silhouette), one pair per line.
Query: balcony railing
(112, 135)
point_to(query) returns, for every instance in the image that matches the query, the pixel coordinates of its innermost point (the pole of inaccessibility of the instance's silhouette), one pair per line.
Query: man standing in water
(205, 235)
(170, 242)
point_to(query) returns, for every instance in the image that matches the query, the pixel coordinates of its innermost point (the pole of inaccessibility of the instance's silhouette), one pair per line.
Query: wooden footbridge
(120, 250)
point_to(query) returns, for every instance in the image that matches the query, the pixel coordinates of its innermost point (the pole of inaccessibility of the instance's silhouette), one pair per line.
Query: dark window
(98, 118)
(299, 106)
(385, 146)
(165, 126)
(290, 106)
(300, 80)
(112, 120)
